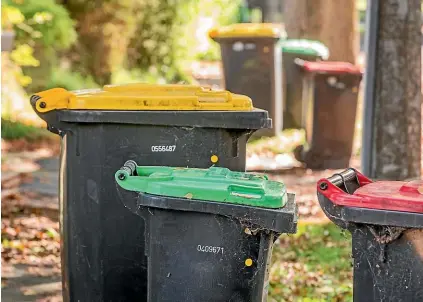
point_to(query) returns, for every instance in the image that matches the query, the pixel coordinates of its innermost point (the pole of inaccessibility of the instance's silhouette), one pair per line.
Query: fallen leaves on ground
(313, 264)
(50, 145)
(29, 236)
(56, 298)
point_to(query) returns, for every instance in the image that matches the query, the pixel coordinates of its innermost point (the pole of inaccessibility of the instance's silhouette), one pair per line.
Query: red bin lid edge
(334, 67)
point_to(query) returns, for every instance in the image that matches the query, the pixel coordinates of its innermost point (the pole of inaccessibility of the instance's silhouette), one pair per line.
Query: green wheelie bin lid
(212, 184)
(305, 47)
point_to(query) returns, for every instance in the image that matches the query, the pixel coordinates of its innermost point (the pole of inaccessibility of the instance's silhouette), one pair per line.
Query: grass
(312, 265)
(11, 130)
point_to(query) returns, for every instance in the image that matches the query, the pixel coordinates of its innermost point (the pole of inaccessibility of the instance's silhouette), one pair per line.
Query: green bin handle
(249, 192)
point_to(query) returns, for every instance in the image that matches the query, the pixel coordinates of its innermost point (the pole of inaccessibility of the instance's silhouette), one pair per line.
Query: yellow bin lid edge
(271, 30)
(143, 97)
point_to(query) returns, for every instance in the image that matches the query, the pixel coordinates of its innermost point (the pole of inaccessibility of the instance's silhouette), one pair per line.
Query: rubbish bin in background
(292, 77)
(330, 104)
(251, 65)
(103, 257)
(385, 219)
(209, 232)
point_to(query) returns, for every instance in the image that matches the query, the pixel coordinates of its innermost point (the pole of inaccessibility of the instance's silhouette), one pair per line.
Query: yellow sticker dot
(248, 262)
(214, 158)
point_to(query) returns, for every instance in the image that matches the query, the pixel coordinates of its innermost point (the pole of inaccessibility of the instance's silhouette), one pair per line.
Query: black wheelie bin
(329, 113)
(292, 76)
(385, 219)
(252, 65)
(209, 232)
(103, 256)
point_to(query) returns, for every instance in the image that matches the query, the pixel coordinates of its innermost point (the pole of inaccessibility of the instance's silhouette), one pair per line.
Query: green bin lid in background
(305, 47)
(213, 184)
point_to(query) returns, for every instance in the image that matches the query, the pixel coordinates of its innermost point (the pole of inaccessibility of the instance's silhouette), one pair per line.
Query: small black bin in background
(292, 76)
(330, 105)
(252, 64)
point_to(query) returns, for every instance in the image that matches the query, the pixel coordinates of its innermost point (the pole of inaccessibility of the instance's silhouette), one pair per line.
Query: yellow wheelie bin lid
(142, 97)
(239, 30)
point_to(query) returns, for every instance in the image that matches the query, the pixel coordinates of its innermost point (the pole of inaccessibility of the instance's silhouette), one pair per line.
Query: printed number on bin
(209, 249)
(163, 148)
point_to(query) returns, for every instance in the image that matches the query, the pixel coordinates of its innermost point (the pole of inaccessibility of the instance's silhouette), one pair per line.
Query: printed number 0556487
(163, 148)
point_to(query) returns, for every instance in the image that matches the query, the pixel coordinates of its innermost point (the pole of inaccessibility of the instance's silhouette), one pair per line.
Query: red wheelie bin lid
(393, 195)
(380, 195)
(331, 67)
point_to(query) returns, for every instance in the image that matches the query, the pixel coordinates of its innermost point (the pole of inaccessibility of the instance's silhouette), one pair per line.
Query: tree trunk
(392, 141)
(334, 23)
(104, 30)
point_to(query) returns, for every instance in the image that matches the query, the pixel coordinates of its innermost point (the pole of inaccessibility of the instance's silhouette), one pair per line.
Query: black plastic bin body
(387, 245)
(178, 234)
(180, 237)
(103, 252)
(292, 76)
(329, 113)
(253, 65)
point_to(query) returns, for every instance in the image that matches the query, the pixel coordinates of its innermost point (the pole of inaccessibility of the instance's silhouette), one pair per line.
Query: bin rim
(281, 220)
(248, 121)
(248, 30)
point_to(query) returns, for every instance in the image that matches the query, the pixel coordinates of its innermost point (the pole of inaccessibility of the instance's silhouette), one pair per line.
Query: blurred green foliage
(156, 45)
(45, 23)
(11, 130)
(41, 28)
(104, 29)
(69, 80)
(166, 39)
(22, 55)
(10, 16)
(150, 39)
(223, 12)
(77, 43)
